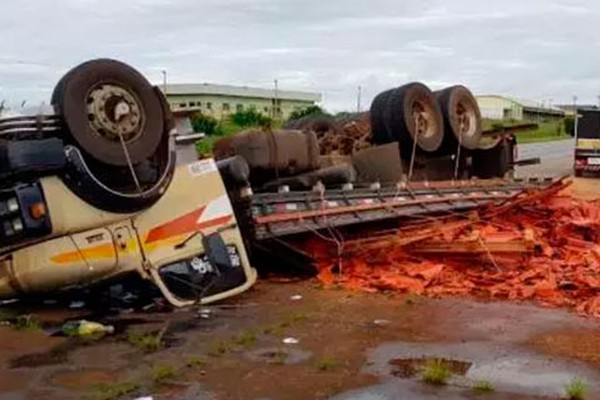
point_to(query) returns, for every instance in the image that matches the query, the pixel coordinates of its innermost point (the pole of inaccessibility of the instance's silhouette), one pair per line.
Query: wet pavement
(556, 158)
(344, 342)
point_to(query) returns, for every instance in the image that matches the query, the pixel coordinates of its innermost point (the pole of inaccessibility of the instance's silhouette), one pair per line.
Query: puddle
(508, 367)
(413, 367)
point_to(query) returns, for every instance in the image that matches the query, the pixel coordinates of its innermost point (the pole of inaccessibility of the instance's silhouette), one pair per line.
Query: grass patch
(246, 339)
(546, 131)
(411, 299)
(145, 341)
(483, 386)
(280, 358)
(278, 328)
(111, 391)
(219, 348)
(195, 362)
(576, 389)
(436, 372)
(27, 323)
(327, 364)
(163, 372)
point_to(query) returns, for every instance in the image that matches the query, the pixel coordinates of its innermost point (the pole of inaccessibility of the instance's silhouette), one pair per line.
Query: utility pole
(164, 74)
(575, 115)
(276, 105)
(358, 98)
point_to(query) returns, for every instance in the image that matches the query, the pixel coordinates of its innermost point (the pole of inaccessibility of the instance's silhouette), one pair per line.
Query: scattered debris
(83, 328)
(296, 297)
(381, 322)
(529, 248)
(205, 313)
(327, 364)
(76, 305)
(290, 340)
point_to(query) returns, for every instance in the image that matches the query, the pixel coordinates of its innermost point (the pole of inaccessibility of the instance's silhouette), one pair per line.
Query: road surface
(556, 158)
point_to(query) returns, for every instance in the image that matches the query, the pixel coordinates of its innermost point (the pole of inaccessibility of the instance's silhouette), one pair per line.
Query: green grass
(163, 372)
(219, 348)
(280, 358)
(246, 339)
(27, 323)
(436, 372)
(576, 389)
(193, 362)
(483, 386)
(327, 364)
(145, 341)
(547, 131)
(111, 391)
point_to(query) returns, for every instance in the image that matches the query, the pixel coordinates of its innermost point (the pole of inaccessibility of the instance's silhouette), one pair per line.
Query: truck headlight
(12, 205)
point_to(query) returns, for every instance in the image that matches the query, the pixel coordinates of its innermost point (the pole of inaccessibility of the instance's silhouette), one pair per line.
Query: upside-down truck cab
(187, 243)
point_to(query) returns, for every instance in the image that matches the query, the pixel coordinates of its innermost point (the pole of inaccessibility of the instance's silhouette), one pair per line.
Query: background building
(221, 100)
(508, 108)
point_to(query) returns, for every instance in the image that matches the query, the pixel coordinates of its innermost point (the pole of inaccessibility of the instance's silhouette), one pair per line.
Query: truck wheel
(412, 113)
(111, 111)
(462, 118)
(381, 134)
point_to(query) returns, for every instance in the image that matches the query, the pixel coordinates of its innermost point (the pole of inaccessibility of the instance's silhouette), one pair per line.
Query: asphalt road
(556, 158)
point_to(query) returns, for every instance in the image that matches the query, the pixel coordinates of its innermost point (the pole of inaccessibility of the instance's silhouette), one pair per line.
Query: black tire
(494, 162)
(379, 128)
(456, 103)
(402, 124)
(70, 100)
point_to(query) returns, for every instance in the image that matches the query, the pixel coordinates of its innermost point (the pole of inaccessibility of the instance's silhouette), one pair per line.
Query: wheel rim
(424, 121)
(466, 121)
(115, 113)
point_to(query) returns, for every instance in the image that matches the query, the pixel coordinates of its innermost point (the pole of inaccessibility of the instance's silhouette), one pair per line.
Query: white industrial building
(509, 108)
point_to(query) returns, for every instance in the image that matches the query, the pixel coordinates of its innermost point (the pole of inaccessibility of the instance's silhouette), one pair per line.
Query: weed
(483, 386)
(576, 389)
(111, 391)
(219, 348)
(436, 372)
(326, 364)
(246, 338)
(279, 358)
(146, 341)
(7, 316)
(27, 322)
(163, 372)
(195, 362)
(277, 328)
(411, 299)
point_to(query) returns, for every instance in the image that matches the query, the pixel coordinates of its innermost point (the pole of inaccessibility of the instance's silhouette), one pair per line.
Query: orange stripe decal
(185, 224)
(101, 251)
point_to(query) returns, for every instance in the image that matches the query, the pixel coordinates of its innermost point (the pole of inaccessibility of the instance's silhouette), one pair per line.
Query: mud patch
(413, 367)
(274, 355)
(56, 355)
(81, 380)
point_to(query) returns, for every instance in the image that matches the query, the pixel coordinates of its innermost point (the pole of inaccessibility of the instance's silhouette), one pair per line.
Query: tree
(312, 110)
(205, 124)
(250, 118)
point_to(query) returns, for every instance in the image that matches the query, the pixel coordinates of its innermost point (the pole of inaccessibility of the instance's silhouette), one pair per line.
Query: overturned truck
(92, 192)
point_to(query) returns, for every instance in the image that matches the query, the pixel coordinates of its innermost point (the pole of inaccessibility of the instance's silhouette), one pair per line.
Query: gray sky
(535, 49)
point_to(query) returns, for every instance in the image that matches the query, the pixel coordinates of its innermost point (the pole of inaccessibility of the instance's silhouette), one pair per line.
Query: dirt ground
(295, 340)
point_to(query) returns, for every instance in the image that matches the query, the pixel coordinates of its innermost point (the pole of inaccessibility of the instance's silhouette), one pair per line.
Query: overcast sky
(535, 49)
